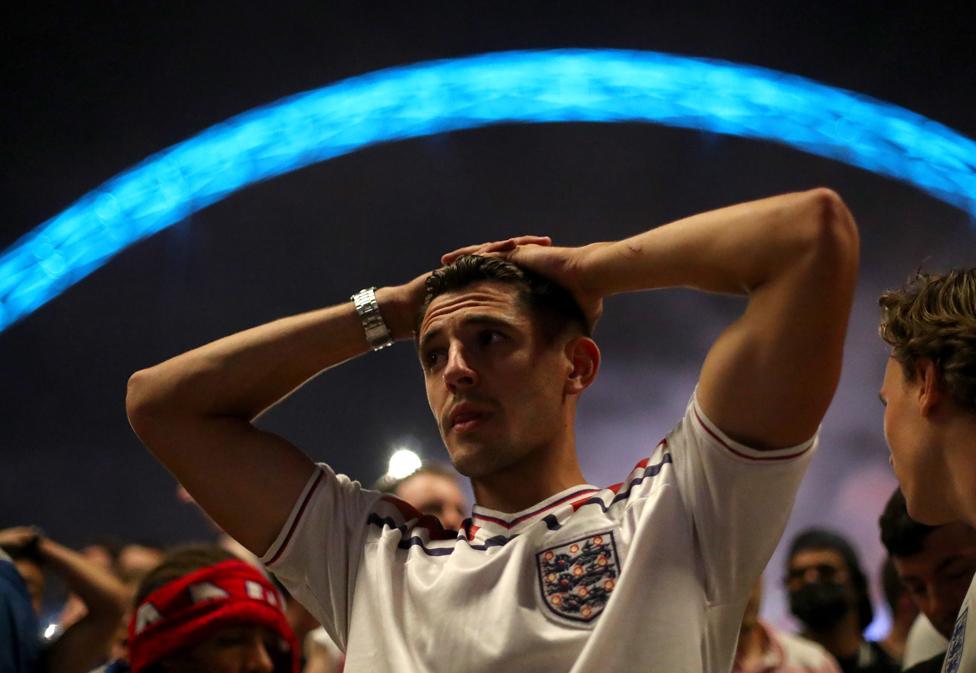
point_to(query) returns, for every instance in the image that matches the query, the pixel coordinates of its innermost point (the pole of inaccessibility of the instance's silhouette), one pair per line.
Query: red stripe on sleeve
(298, 517)
(745, 455)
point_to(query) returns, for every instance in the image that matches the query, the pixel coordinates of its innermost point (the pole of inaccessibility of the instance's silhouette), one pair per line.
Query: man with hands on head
(550, 573)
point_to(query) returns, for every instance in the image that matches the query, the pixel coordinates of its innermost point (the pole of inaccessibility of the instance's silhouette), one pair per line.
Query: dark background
(92, 88)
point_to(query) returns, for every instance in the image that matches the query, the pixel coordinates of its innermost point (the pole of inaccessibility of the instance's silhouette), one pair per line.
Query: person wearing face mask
(828, 593)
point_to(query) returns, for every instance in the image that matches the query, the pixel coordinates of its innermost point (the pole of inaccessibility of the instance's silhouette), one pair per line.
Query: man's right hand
(563, 265)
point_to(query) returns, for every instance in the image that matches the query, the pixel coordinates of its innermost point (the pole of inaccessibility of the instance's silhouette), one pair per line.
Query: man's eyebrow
(428, 337)
(477, 319)
(946, 562)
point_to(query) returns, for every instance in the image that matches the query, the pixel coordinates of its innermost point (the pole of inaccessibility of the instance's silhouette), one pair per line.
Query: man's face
(494, 386)
(809, 566)
(913, 456)
(242, 648)
(820, 586)
(938, 577)
(435, 494)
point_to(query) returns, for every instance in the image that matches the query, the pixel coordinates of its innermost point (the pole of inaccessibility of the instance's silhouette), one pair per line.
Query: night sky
(91, 89)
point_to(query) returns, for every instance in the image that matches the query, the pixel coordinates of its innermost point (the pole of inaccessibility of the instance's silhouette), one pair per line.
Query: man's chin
(472, 459)
(925, 510)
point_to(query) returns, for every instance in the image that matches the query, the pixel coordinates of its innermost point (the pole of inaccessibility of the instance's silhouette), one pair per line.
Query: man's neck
(960, 443)
(843, 640)
(540, 475)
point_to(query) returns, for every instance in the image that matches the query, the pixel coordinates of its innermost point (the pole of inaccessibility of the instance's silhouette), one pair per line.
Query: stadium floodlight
(569, 85)
(403, 463)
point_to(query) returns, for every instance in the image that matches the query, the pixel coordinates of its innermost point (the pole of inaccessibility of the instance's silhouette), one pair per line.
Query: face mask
(819, 605)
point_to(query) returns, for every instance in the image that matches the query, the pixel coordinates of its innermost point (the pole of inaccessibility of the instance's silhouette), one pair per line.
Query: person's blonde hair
(934, 317)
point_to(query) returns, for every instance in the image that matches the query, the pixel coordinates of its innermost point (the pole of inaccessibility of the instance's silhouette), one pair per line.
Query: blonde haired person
(929, 393)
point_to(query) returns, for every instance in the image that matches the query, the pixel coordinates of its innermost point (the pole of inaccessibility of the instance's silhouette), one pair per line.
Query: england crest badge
(577, 577)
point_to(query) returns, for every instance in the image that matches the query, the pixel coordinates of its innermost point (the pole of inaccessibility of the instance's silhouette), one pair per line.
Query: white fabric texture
(923, 642)
(655, 577)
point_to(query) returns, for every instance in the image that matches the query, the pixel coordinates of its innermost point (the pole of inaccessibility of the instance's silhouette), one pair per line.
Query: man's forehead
(814, 556)
(487, 297)
(951, 539)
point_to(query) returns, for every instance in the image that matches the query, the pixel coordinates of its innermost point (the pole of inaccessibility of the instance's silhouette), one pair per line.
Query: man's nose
(459, 373)
(811, 575)
(941, 607)
(258, 660)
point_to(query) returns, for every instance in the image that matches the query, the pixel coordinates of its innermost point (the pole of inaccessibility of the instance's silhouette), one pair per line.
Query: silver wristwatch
(377, 333)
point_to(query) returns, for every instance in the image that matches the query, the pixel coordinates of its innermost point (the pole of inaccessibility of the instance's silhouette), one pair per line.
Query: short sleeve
(319, 549)
(739, 499)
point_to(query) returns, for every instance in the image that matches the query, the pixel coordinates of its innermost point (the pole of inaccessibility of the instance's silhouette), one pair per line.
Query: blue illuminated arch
(434, 97)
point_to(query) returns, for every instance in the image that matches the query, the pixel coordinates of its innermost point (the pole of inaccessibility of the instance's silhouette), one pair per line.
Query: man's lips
(465, 417)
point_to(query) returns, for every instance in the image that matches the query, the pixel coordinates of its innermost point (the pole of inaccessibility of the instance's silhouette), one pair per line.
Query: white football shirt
(651, 574)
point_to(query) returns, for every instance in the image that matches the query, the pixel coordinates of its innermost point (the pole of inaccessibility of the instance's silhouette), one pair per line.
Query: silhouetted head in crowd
(202, 609)
(825, 582)
(935, 563)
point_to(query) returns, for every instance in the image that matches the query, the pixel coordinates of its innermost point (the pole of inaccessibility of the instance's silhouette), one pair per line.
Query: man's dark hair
(553, 307)
(179, 562)
(900, 533)
(819, 538)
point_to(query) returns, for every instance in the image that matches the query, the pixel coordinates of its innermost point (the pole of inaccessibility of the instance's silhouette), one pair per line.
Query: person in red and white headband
(204, 610)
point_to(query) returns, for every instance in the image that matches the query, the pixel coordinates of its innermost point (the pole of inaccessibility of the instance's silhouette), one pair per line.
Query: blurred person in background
(19, 642)
(903, 610)
(202, 610)
(431, 489)
(828, 593)
(127, 561)
(936, 564)
(929, 395)
(765, 649)
(85, 643)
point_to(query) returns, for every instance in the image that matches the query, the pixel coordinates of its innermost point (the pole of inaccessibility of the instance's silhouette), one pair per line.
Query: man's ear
(584, 357)
(930, 391)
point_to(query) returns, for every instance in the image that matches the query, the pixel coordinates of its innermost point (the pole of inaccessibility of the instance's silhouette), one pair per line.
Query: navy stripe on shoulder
(552, 523)
(417, 541)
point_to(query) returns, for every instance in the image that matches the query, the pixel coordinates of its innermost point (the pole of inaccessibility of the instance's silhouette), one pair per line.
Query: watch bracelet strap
(378, 335)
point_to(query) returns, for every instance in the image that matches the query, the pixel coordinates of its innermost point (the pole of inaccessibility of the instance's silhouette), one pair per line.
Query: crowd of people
(545, 572)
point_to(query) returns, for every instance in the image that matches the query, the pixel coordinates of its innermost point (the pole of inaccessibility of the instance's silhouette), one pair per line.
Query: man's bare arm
(195, 411)
(769, 378)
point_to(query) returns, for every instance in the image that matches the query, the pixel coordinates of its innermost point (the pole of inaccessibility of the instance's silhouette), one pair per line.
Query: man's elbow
(143, 401)
(829, 231)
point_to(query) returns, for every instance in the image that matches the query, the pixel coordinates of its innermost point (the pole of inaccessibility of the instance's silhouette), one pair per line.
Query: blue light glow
(434, 97)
